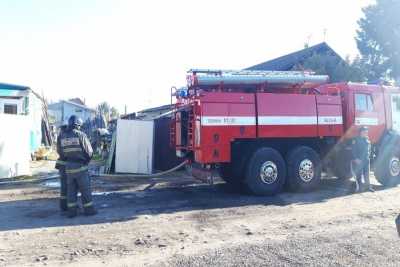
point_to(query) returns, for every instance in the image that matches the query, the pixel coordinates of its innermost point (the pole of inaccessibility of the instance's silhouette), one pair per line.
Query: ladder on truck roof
(209, 77)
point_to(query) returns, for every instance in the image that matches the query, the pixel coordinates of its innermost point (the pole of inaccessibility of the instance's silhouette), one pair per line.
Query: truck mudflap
(201, 173)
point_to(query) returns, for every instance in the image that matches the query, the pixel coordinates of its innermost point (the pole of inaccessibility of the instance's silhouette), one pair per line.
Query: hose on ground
(55, 176)
(27, 181)
(144, 175)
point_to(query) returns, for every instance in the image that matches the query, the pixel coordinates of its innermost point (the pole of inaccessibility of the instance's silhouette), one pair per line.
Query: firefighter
(77, 151)
(60, 166)
(361, 149)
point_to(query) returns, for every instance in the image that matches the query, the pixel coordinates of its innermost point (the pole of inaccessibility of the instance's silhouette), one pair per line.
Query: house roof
(71, 103)
(78, 105)
(155, 109)
(128, 116)
(289, 61)
(77, 100)
(13, 90)
(7, 86)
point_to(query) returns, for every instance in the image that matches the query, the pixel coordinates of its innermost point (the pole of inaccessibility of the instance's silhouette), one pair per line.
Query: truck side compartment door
(224, 118)
(330, 119)
(286, 115)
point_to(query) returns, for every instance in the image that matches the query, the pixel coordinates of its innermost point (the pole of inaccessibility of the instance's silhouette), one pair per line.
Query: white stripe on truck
(366, 121)
(227, 121)
(287, 120)
(329, 120)
(270, 120)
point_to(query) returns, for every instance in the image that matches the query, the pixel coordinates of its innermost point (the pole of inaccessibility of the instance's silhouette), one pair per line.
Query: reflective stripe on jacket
(74, 146)
(77, 170)
(61, 162)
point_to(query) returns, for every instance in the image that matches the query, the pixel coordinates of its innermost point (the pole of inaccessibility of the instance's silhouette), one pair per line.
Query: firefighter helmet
(75, 121)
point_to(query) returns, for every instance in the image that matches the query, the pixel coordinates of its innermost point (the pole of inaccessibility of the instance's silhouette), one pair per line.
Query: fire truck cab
(265, 130)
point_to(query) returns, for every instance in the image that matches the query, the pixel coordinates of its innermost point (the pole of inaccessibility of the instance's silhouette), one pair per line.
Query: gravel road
(175, 221)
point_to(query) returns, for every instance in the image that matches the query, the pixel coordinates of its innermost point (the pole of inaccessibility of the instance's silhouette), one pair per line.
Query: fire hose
(33, 180)
(145, 175)
(55, 176)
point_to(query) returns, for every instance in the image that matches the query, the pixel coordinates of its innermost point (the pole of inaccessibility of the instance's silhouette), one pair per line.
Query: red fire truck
(265, 130)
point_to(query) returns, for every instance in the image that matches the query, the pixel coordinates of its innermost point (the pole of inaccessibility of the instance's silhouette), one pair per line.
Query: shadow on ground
(119, 206)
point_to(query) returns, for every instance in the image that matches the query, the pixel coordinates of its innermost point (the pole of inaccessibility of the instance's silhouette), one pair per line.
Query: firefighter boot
(371, 189)
(357, 188)
(72, 212)
(90, 211)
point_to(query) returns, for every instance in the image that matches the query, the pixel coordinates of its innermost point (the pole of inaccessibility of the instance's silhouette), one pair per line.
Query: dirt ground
(175, 221)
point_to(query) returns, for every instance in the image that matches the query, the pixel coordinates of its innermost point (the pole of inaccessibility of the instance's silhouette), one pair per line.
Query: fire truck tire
(304, 169)
(387, 170)
(232, 178)
(265, 172)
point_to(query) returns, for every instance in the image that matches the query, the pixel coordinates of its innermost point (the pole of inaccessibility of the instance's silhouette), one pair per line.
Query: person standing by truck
(74, 147)
(361, 149)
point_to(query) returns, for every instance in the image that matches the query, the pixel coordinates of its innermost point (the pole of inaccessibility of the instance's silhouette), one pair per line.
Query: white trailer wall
(29, 104)
(134, 147)
(14, 145)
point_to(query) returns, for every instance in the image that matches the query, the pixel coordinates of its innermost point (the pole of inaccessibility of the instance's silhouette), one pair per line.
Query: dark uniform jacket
(361, 148)
(60, 163)
(74, 147)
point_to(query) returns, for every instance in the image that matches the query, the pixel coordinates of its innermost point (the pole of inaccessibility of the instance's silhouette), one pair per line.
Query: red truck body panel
(330, 116)
(294, 115)
(286, 115)
(223, 117)
(220, 115)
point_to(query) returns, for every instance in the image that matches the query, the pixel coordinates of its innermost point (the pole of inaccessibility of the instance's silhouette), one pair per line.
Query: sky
(129, 53)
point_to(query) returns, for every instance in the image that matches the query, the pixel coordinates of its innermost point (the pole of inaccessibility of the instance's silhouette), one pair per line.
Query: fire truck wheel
(232, 178)
(266, 172)
(304, 169)
(387, 170)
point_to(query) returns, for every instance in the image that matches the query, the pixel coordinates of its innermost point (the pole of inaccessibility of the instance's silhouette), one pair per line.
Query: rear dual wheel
(267, 172)
(304, 169)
